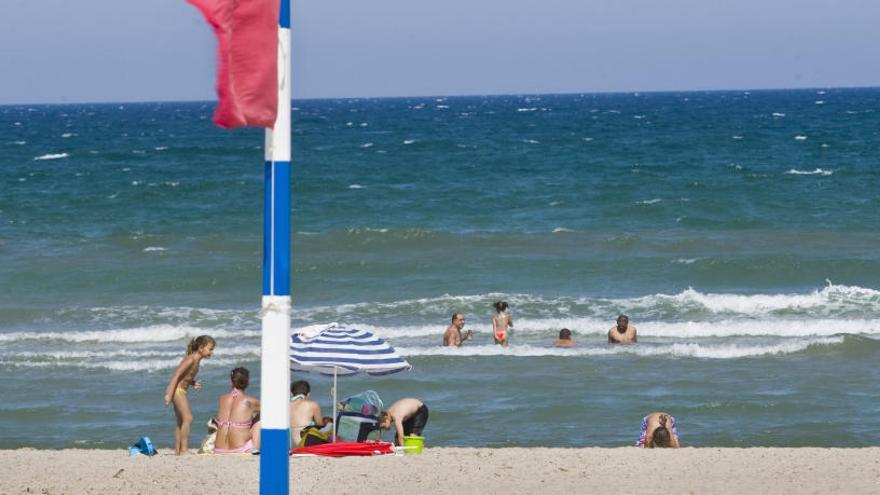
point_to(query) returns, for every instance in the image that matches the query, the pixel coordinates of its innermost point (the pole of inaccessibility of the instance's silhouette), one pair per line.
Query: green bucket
(413, 444)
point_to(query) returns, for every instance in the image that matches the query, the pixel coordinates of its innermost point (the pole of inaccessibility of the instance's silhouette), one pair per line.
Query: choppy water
(737, 229)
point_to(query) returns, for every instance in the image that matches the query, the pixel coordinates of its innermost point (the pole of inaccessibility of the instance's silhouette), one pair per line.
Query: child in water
(501, 324)
(201, 347)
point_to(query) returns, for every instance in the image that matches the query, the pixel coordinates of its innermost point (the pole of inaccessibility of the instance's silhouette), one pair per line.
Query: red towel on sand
(342, 449)
(247, 60)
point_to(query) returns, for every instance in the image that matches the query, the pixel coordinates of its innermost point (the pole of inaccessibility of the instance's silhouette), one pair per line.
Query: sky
(162, 50)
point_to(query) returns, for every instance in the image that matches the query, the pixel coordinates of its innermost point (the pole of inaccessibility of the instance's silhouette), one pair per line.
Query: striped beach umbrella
(333, 350)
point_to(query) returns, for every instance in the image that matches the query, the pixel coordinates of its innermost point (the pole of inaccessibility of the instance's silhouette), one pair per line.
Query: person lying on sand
(409, 417)
(658, 430)
(238, 428)
(564, 339)
(304, 412)
(453, 335)
(623, 332)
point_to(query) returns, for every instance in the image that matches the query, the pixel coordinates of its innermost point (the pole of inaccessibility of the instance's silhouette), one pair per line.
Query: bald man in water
(453, 335)
(623, 332)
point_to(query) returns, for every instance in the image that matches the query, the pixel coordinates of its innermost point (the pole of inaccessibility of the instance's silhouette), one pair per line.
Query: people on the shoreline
(201, 347)
(453, 335)
(564, 339)
(501, 324)
(408, 416)
(304, 412)
(238, 425)
(658, 430)
(623, 332)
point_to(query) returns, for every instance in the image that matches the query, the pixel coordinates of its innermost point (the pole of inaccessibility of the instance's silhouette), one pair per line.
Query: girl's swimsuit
(501, 318)
(643, 437)
(249, 445)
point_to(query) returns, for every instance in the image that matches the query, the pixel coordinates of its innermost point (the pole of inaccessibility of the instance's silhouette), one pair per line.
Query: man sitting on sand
(409, 417)
(623, 333)
(304, 412)
(453, 335)
(658, 430)
(564, 339)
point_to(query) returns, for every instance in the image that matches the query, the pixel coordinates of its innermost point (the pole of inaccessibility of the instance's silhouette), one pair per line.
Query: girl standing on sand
(201, 347)
(501, 324)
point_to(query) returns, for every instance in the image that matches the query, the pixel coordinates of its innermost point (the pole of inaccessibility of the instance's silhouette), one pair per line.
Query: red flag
(247, 60)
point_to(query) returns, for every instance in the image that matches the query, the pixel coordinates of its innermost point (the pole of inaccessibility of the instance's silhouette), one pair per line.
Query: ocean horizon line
(466, 95)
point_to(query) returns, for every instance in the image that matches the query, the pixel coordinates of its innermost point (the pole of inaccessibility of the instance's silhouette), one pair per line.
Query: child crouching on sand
(201, 347)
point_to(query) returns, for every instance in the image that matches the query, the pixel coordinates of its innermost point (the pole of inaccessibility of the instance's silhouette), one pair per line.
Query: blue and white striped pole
(275, 369)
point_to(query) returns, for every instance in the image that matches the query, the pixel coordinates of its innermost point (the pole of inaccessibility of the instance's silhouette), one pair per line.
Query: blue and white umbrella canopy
(331, 350)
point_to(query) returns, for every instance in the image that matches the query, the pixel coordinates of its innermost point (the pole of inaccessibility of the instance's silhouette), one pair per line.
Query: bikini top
(235, 393)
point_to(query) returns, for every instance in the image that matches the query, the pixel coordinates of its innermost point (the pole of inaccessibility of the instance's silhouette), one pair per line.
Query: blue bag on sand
(143, 446)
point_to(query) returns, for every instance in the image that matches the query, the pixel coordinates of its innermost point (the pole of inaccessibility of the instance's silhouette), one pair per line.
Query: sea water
(738, 230)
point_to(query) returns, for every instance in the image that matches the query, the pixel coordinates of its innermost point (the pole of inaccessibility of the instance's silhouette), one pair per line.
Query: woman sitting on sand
(238, 429)
(658, 430)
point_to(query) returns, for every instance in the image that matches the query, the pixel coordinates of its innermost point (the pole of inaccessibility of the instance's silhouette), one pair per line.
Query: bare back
(404, 408)
(235, 415)
(303, 412)
(654, 422)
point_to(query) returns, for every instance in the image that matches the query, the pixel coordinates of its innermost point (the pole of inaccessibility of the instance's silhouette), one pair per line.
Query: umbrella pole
(334, 404)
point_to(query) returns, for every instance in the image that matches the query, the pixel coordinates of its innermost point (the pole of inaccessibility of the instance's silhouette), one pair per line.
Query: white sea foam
(20, 142)
(818, 171)
(778, 114)
(367, 145)
(737, 137)
(800, 138)
(531, 141)
(68, 135)
(820, 102)
(154, 333)
(548, 327)
(442, 106)
(409, 141)
(128, 365)
(51, 156)
(691, 350)
(160, 148)
(560, 230)
(649, 201)
(826, 300)
(686, 261)
(355, 186)
(530, 109)
(150, 249)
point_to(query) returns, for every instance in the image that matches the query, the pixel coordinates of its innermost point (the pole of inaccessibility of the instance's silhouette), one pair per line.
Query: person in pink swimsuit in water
(501, 324)
(238, 429)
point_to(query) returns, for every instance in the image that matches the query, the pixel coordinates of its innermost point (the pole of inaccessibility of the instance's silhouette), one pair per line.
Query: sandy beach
(456, 470)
